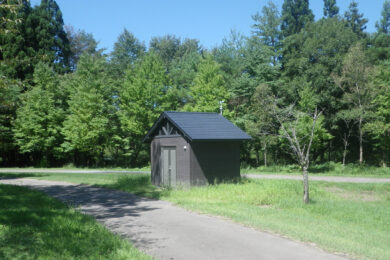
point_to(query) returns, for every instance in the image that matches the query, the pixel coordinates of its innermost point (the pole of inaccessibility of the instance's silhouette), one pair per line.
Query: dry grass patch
(367, 196)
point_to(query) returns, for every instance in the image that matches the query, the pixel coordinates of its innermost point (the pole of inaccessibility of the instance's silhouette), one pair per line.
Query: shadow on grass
(33, 225)
(137, 184)
(5, 176)
(141, 185)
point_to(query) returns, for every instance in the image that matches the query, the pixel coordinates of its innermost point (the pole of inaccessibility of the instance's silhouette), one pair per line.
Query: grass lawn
(35, 226)
(326, 169)
(347, 218)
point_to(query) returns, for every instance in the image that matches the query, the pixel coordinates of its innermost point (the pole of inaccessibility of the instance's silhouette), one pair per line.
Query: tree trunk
(137, 149)
(344, 155)
(384, 164)
(305, 185)
(74, 158)
(265, 154)
(276, 161)
(345, 149)
(360, 142)
(257, 157)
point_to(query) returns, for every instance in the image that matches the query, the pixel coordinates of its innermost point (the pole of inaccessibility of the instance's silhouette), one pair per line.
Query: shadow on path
(103, 203)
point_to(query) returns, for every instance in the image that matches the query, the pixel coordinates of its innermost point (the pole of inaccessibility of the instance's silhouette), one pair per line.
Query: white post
(220, 106)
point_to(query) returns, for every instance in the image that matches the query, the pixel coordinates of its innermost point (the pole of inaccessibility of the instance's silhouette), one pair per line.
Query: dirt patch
(353, 195)
(264, 206)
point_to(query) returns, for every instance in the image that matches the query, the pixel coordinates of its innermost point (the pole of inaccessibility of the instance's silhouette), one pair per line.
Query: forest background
(65, 101)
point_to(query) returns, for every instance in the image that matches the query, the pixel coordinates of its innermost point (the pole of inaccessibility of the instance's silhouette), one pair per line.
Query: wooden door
(168, 161)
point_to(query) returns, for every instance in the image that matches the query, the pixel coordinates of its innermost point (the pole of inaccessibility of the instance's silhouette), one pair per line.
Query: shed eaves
(199, 126)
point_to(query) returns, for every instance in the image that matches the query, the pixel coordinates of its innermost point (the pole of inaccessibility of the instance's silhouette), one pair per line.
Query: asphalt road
(168, 232)
(37, 170)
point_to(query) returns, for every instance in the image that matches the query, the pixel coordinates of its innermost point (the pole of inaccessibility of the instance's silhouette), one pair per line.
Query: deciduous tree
(91, 107)
(166, 47)
(302, 127)
(260, 123)
(80, 42)
(142, 99)
(379, 127)
(358, 91)
(38, 123)
(208, 88)
(312, 56)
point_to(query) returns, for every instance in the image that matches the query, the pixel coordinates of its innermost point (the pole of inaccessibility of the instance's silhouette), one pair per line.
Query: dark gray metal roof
(197, 126)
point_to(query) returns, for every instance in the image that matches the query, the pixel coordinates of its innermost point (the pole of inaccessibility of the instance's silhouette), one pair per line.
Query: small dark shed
(192, 148)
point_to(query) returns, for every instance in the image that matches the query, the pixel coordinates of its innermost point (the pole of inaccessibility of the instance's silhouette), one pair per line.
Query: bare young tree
(296, 124)
(300, 145)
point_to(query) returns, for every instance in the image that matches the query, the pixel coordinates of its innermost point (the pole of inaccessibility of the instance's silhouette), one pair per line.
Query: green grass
(334, 220)
(326, 169)
(34, 226)
(348, 218)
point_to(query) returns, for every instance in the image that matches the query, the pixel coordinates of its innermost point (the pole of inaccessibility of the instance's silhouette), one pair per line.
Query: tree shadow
(117, 210)
(38, 225)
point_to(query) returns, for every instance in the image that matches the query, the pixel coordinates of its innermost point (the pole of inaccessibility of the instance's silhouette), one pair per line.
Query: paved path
(169, 232)
(37, 170)
(319, 178)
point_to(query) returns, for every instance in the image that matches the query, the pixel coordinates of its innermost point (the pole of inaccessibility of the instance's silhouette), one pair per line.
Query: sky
(209, 21)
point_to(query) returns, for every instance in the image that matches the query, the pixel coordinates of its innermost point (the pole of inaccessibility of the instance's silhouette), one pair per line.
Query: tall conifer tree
(330, 8)
(127, 50)
(267, 28)
(355, 20)
(295, 15)
(47, 37)
(383, 26)
(14, 52)
(9, 101)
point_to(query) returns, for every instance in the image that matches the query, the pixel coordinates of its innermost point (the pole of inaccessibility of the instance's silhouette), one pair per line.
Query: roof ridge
(191, 112)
